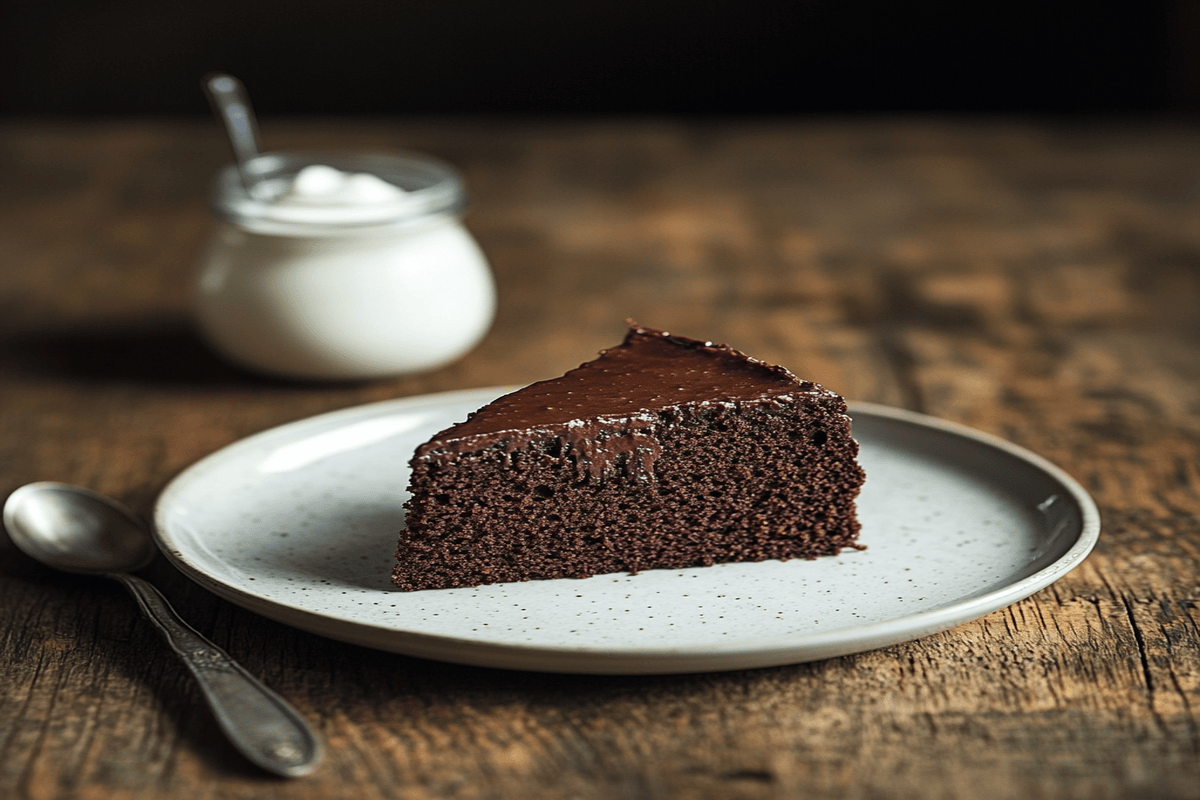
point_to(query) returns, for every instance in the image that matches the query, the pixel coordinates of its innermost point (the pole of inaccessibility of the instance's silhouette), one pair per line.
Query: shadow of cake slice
(663, 453)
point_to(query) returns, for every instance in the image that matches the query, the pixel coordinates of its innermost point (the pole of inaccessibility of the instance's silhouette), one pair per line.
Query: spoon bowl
(75, 530)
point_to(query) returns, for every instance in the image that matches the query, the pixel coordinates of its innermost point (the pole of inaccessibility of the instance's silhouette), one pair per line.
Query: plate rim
(740, 654)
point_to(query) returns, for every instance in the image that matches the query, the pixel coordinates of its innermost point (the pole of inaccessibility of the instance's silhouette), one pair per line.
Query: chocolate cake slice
(664, 452)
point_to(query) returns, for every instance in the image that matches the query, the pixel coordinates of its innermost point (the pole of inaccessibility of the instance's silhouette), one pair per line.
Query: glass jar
(343, 292)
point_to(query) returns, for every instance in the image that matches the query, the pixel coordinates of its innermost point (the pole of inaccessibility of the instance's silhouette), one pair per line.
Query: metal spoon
(231, 104)
(72, 529)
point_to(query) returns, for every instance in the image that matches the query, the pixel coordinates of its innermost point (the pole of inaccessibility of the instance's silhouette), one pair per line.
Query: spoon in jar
(75, 530)
(231, 104)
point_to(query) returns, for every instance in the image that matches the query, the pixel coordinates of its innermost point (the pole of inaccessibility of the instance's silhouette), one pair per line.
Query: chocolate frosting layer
(608, 407)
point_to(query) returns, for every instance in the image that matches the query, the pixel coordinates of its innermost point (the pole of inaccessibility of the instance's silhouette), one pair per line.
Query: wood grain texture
(1038, 281)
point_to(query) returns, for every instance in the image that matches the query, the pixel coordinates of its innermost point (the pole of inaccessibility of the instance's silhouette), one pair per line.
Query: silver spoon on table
(75, 530)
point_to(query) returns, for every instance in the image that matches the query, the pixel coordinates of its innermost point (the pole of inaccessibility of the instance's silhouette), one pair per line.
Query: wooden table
(1038, 281)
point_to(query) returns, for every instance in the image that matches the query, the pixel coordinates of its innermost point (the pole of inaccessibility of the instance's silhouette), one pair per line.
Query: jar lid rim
(432, 187)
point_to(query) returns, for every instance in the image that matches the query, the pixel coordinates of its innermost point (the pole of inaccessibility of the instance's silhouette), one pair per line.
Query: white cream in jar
(343, 267)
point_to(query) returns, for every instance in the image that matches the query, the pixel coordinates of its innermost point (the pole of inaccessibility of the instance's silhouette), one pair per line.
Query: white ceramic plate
(299, 523)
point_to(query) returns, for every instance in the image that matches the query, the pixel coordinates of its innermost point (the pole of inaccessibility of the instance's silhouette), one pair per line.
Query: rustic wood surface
(1037, 280)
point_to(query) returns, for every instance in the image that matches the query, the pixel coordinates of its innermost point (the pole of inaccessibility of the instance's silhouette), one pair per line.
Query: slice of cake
(664, 452)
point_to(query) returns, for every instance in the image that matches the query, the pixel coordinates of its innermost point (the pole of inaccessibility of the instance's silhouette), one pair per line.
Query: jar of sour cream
(342, 266)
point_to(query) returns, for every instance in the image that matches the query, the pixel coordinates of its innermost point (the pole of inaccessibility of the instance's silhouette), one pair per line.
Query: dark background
(145, 57)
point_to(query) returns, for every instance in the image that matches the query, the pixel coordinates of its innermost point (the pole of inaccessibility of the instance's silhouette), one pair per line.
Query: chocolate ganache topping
(608, 407)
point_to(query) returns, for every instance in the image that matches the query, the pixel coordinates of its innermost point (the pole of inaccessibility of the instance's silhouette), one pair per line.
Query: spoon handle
(232, 105)
(260, 723)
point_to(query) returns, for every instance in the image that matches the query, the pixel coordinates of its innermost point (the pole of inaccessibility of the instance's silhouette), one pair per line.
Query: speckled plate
(299, 524)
